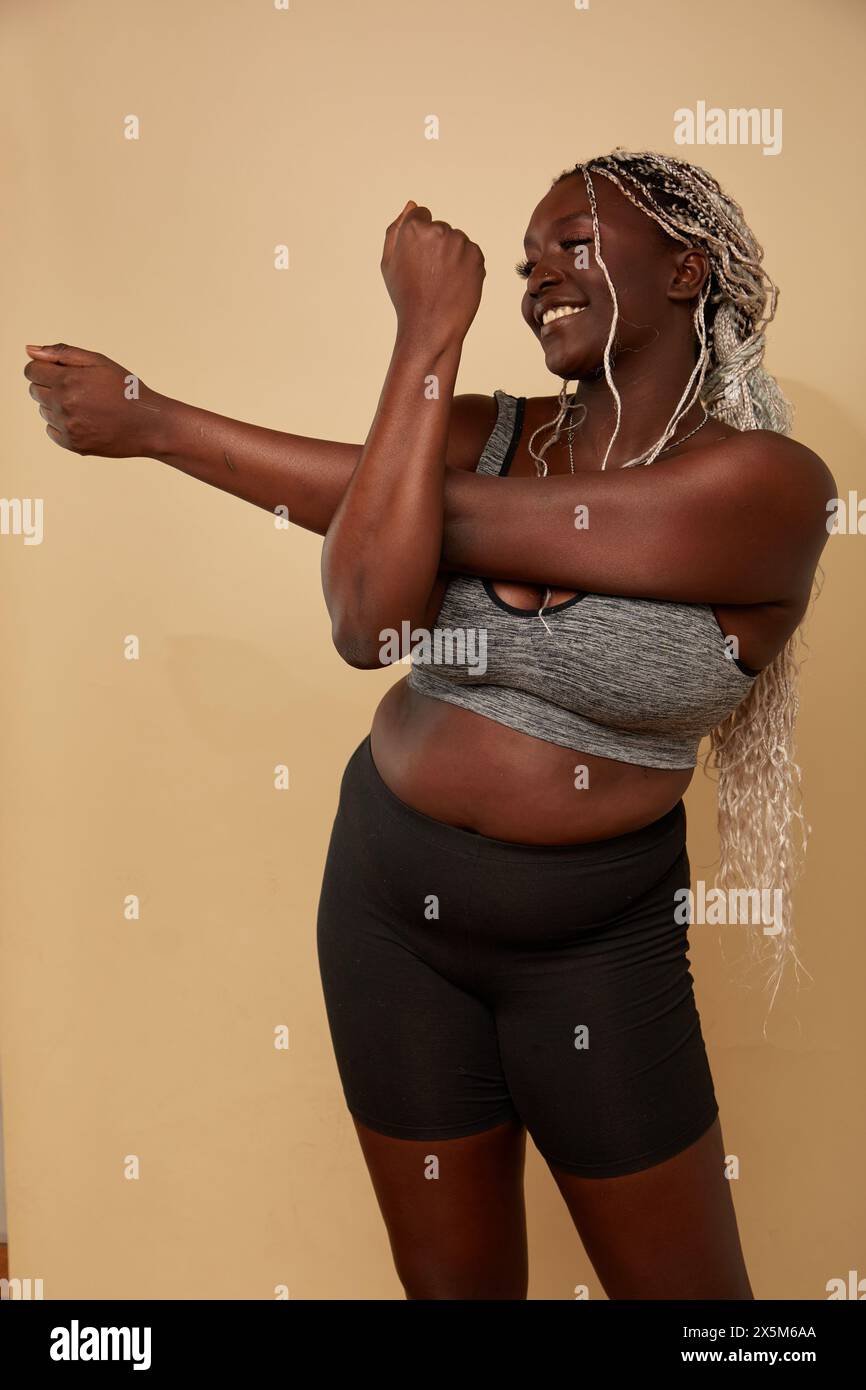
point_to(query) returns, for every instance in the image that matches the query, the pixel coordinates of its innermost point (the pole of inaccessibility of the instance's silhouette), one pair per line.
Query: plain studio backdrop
(309, 128)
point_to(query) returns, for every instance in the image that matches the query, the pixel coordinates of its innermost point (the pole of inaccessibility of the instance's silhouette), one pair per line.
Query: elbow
(361, 660)
(356, 649)
(350, 628)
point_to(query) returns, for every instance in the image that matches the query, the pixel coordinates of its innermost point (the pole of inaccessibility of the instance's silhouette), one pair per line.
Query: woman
(499, 937)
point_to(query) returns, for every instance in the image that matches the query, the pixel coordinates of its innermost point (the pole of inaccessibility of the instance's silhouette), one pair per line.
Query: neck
(648, 401)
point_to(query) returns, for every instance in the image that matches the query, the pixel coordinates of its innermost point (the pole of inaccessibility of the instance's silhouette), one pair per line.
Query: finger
(54, 434)
(43, 394)
(423, 214)
(63, 354)
(47, 415)
(391, 231)
(409, 207)
(44, 373)
(467, 238)
(391, 234)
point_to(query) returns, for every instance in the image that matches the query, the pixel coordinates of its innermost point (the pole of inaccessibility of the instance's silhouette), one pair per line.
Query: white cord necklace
(570, 432)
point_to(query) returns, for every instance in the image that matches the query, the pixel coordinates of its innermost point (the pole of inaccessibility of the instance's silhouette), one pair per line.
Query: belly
(462, 768)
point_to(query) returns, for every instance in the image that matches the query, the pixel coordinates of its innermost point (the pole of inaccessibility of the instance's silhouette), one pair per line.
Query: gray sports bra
(638, 680)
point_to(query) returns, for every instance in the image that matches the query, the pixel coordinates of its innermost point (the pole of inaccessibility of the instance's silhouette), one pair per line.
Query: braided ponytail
(762, 828)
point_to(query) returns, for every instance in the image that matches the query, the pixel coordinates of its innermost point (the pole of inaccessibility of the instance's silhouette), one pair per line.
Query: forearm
(648, 538)
(383, 549)
(741, 523)
(309, 477)
(266, 467)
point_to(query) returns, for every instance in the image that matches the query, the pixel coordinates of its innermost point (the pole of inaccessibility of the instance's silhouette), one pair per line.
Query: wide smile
(559, 321)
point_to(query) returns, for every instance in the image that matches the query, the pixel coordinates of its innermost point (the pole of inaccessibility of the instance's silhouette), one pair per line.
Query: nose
(535, 288)
(545, 275)
(539, 278)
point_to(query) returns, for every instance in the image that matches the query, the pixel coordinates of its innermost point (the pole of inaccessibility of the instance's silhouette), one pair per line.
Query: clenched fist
(434, 275)
(92, 405)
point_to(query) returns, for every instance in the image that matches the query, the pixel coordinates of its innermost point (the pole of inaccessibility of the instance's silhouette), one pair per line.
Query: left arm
(743, 523)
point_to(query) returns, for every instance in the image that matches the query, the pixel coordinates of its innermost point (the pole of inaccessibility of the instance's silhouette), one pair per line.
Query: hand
(434, 275)
(92, 405)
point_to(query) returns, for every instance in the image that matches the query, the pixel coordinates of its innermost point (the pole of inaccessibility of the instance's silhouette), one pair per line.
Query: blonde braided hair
(762, 829)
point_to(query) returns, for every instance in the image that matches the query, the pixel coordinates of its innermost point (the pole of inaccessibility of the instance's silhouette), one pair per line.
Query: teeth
(560, 313)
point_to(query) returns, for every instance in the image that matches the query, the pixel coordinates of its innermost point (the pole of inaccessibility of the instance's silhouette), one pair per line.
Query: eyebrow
(559, 222)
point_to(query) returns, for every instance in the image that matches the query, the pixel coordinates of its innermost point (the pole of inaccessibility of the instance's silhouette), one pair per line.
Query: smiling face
(655, 277)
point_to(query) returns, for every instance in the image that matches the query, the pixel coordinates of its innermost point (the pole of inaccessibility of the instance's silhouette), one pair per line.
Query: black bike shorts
(469, 981)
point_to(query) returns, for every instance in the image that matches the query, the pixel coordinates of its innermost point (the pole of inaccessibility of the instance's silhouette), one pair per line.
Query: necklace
(673, 442)
(570, 433)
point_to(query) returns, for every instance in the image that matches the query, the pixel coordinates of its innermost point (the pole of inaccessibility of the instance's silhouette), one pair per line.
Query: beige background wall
(155, 777)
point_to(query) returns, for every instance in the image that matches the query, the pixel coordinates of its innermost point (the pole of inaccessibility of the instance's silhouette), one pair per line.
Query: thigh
(454, 1211)
(417, 1053)
(418, 1059)
(601, 1042)
(602, 1049)
(667, 1232)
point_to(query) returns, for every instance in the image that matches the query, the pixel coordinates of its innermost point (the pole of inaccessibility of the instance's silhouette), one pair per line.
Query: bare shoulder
(779, 457)
(767, 473)
(472, 421)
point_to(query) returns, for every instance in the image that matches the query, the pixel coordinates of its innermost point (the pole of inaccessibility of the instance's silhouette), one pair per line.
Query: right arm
(85, 406)
(266, 467)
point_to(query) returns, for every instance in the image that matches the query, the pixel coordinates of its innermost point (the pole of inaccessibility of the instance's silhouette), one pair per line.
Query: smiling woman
(498, 932)
(537, 786)
(672, 535)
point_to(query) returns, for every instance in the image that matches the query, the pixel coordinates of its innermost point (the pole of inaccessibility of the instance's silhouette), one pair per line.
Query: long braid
(700, 365)
(762, 828)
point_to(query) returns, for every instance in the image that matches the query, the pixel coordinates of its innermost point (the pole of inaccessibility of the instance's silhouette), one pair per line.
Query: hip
(391, 863)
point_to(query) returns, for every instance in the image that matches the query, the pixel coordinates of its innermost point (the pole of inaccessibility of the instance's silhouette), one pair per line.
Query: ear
(691, 271)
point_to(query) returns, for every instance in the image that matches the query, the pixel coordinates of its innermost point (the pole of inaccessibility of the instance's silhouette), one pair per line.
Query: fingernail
(34, 347)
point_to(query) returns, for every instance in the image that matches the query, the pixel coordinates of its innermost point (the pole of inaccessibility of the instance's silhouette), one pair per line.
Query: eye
(525, 268)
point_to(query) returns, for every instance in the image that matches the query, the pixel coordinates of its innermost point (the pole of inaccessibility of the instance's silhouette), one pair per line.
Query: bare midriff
(470, 771)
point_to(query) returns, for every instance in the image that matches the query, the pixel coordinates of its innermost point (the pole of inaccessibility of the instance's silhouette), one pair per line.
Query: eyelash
(525, 268)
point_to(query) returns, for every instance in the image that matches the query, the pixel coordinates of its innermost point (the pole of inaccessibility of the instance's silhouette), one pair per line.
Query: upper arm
(742, 522)
(472, 421)
(470, 427)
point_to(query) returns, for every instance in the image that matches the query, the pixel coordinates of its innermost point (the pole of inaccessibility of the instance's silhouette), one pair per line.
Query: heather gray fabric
(637, 680)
